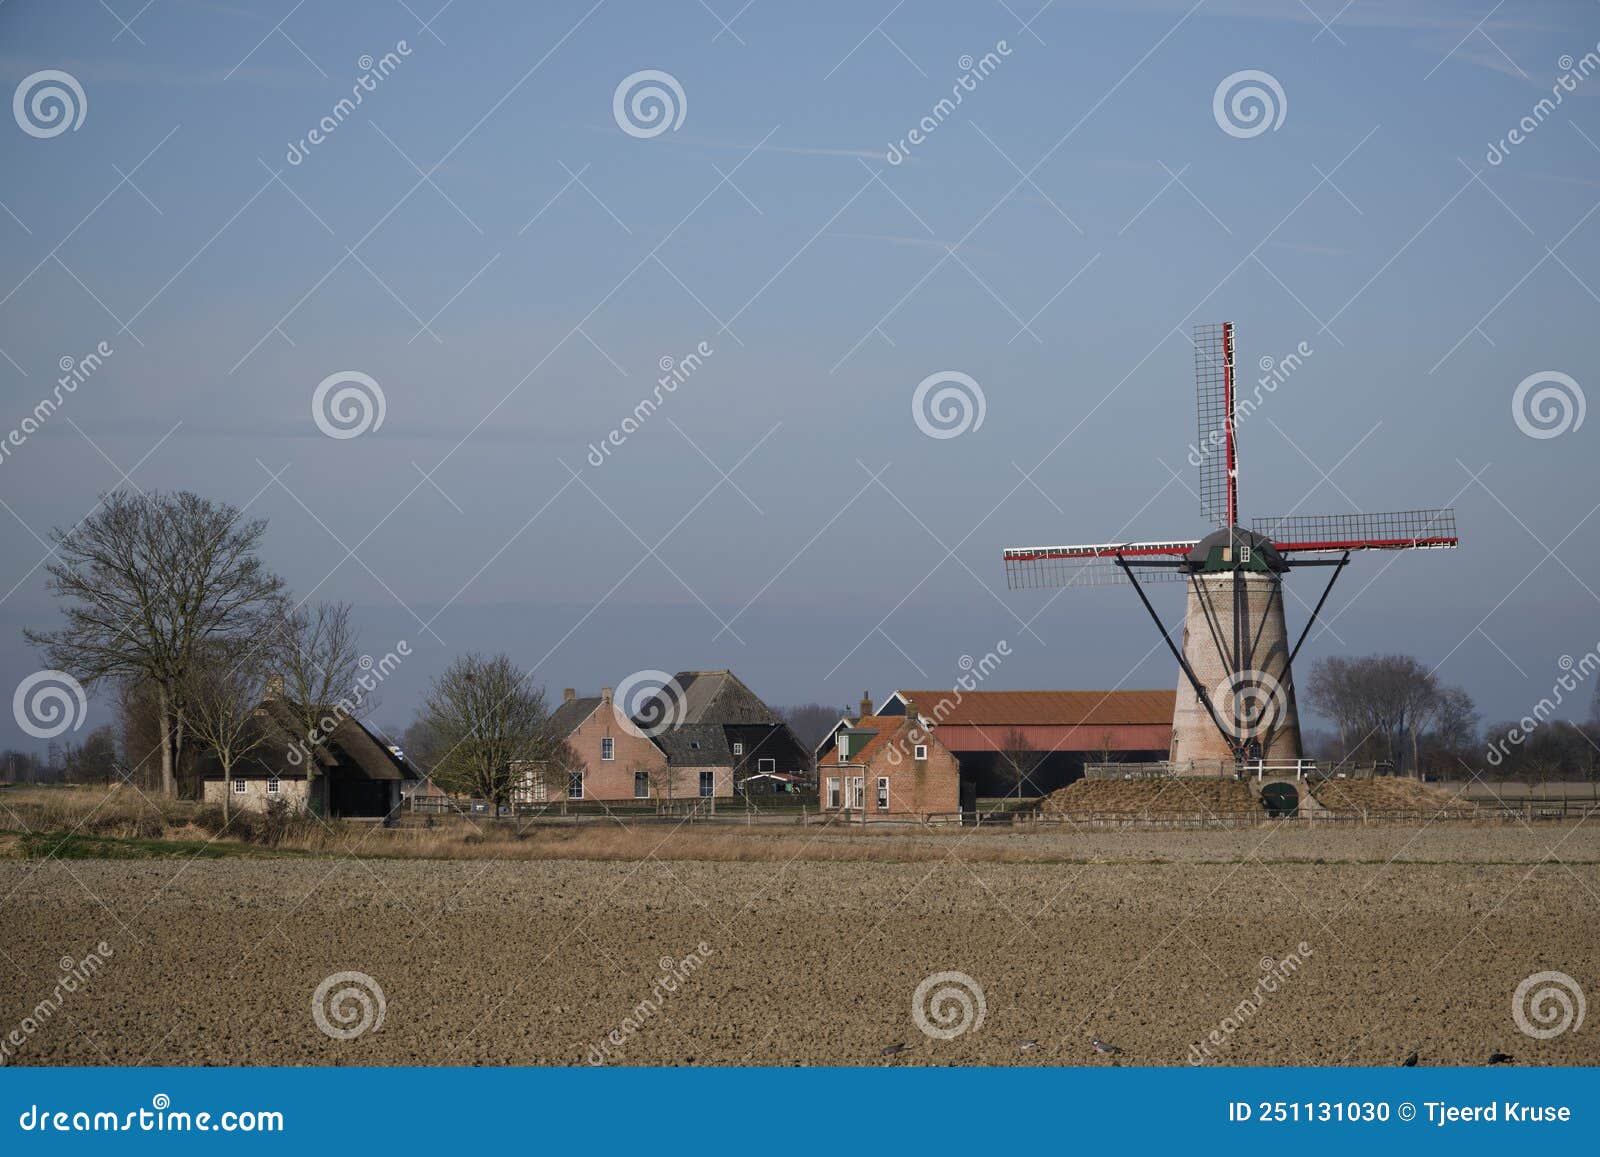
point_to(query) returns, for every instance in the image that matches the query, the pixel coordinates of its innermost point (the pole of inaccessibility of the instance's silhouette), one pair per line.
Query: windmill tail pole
(1315, 611)
(1200, 692)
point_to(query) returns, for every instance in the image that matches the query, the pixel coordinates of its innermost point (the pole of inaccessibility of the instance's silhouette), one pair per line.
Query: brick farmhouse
(720, 735)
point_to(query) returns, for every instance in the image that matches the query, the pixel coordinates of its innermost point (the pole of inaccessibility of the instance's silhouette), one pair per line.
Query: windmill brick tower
(1236, 698)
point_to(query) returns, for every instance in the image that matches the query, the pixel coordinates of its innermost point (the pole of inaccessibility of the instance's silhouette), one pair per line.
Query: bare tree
(1018, 760)
(1381, 703)
(487, 716)
(224, 689)
(146, 581)
(319, 659)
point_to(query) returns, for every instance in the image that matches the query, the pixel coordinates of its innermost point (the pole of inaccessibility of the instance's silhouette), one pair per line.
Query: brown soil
(1416, 941)
(1386, 793)
(1152, 796)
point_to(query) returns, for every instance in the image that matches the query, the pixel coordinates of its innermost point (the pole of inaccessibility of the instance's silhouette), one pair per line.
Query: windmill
(1235, 698)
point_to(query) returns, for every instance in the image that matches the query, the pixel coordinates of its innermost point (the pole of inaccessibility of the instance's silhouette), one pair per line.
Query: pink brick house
(889, 767)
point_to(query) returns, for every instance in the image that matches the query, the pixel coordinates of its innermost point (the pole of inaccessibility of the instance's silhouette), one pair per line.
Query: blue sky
(514, 306)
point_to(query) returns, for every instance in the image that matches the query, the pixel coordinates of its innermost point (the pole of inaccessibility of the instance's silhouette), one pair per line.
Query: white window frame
(883, 793)
(738, 749)
(644, 777)
(858, 792)
(767, 764)
(920, 751)
(708, 784)
(833, 792)
(272, 785)
(843, 758)
(238, 786)
(574, 780)
(608, 749)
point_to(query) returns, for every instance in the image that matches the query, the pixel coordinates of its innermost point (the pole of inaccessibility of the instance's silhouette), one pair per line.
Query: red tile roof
(1045, 708)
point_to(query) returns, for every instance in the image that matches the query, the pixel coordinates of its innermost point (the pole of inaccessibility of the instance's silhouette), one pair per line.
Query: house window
(833, 791)
(858, 792)
(883, 793)
(707, 783)
(738, 749)
(920, 751)
(843, 755)
(272, 785)
(575, 785)
(641, 785)
(764, 765)
(238, 787)
(608, 749)
(539, 790)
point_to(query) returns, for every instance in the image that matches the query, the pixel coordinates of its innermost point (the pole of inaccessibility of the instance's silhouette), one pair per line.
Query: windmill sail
(1095, 564)
(1217, 446)
(1390, 530)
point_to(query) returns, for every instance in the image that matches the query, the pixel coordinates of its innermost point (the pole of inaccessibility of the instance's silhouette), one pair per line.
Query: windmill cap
(1213, 552)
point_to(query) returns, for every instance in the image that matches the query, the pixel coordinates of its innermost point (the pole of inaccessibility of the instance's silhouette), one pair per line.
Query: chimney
(605, 696)
(569, 694)
(866, 703)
